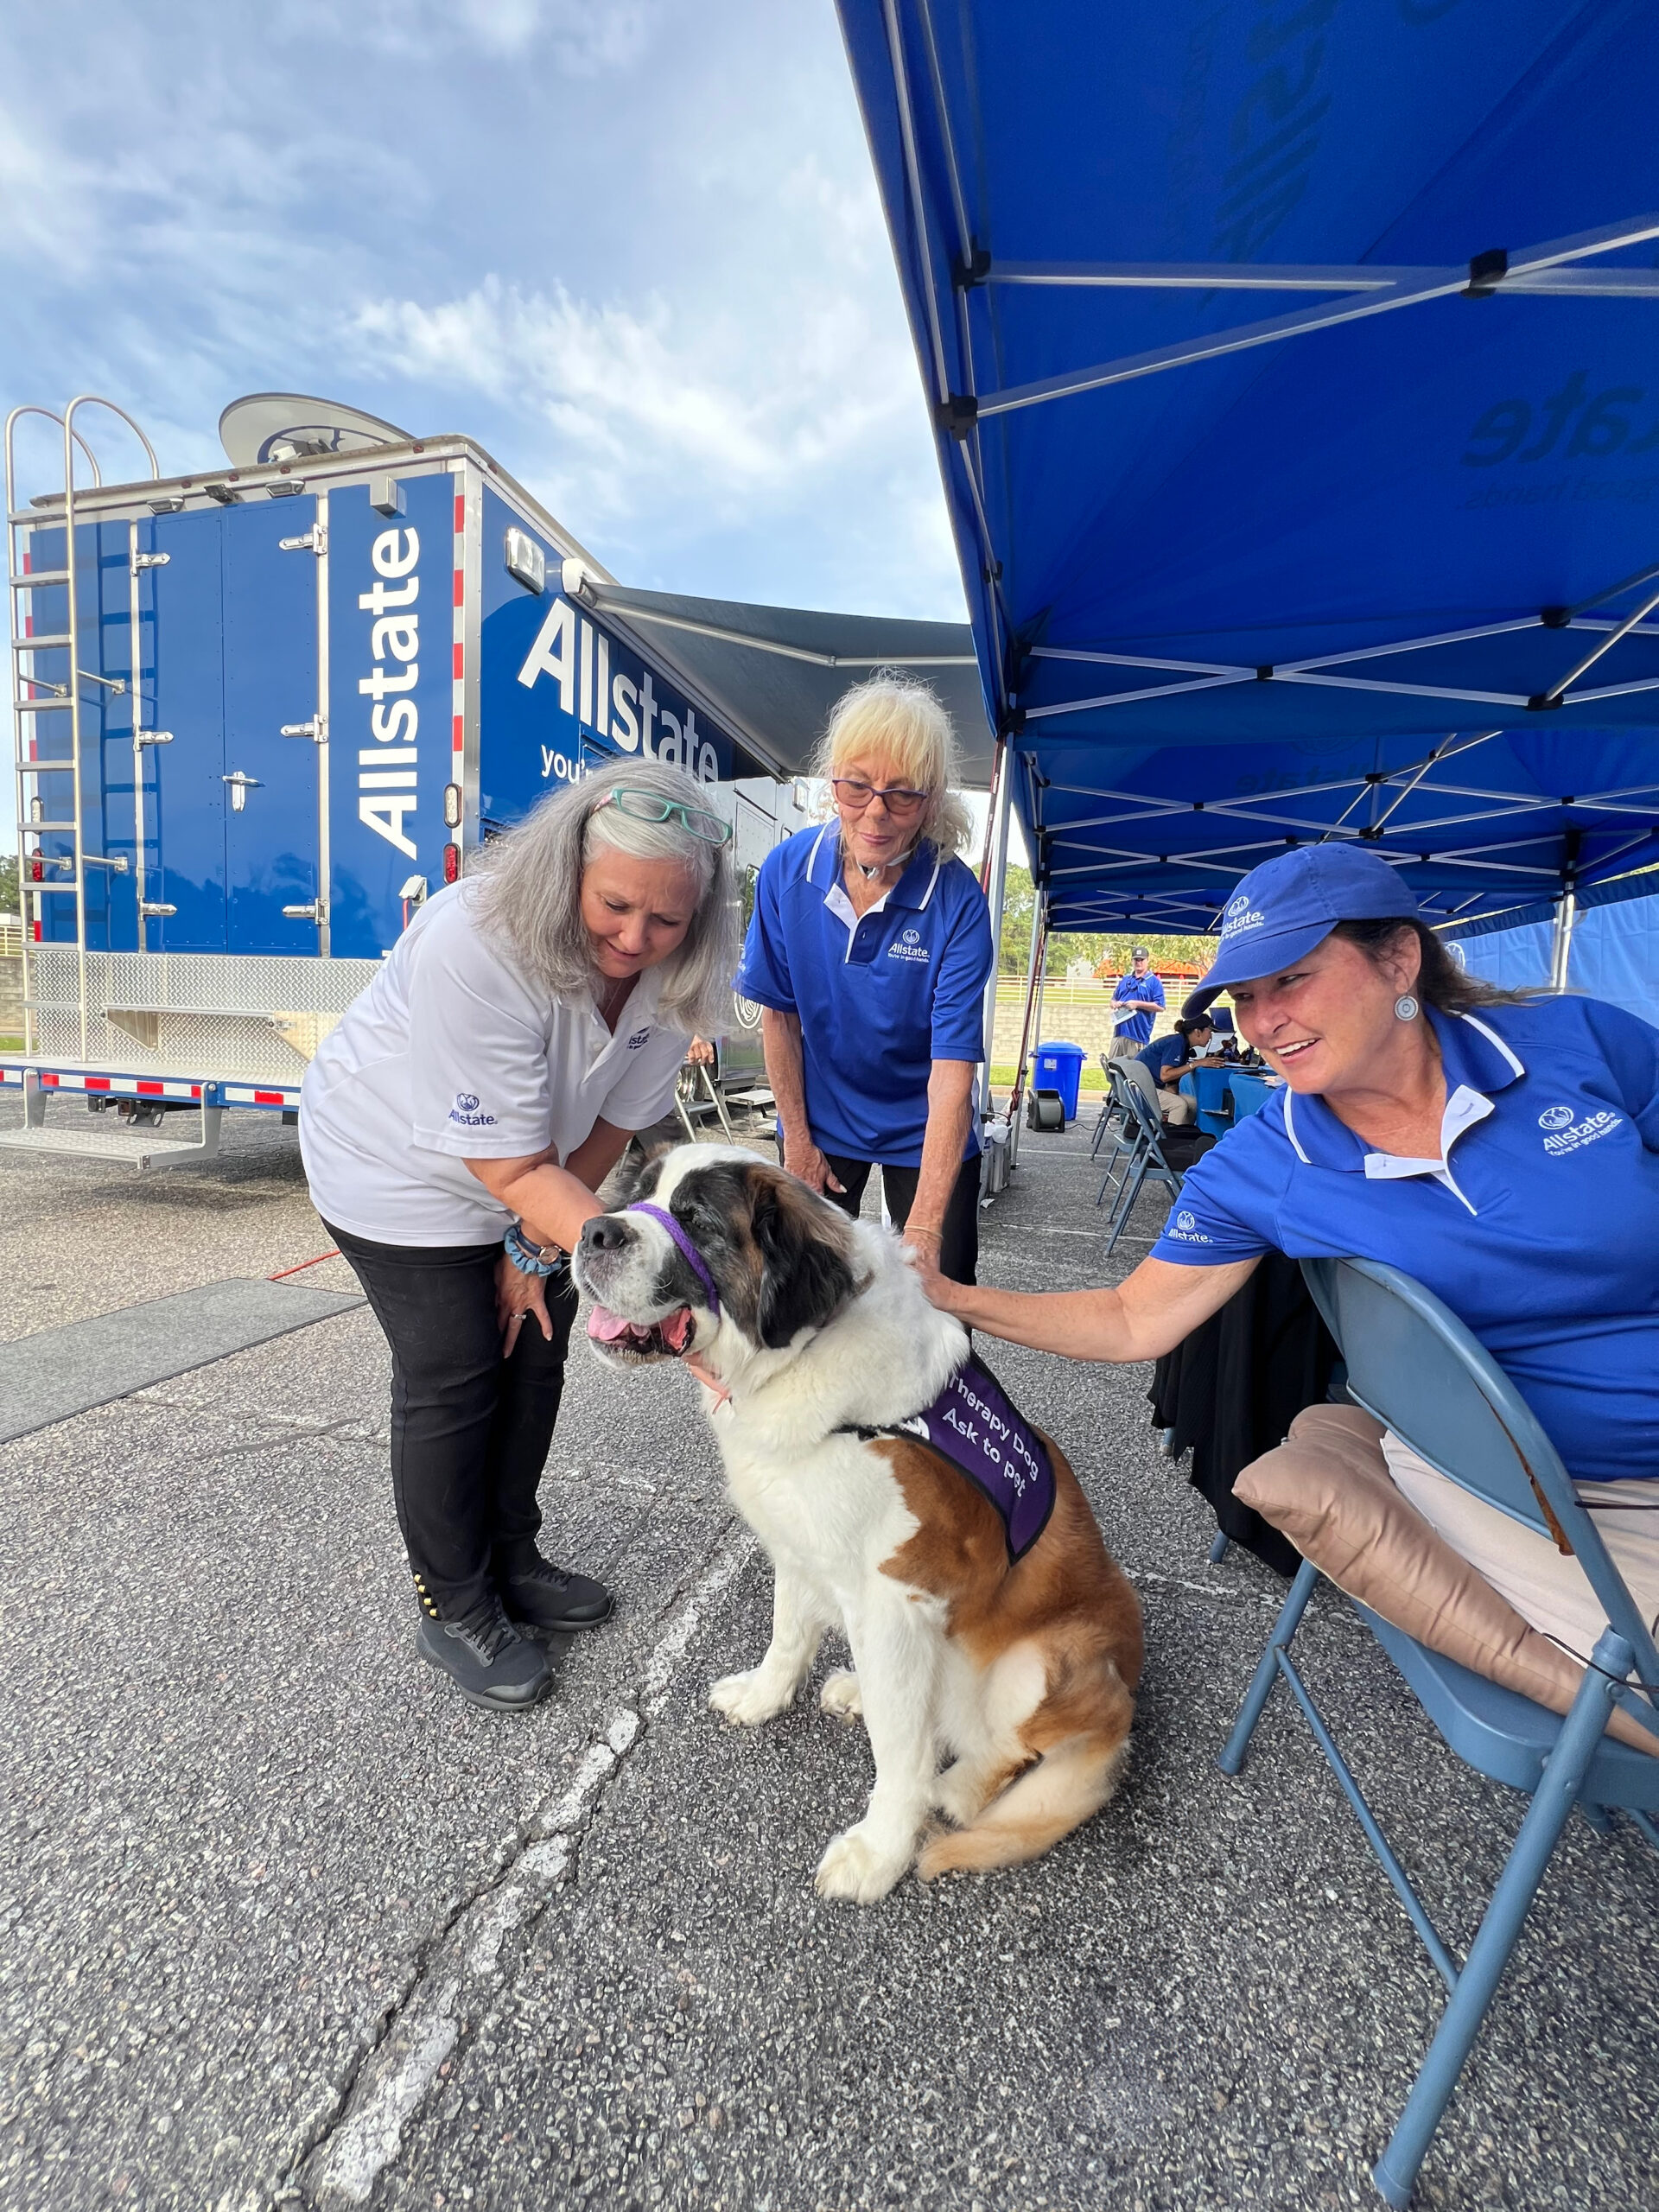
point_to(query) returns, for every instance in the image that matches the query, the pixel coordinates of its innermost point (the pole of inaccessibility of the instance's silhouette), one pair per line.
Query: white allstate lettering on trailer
(387, 771)
(577, 656)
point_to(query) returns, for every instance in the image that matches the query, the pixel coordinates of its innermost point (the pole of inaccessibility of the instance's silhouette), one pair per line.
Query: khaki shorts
(1545, 1587)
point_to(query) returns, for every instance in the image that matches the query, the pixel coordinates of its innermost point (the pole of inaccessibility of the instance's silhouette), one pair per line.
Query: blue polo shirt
(1136, 1028)
(1163, 1053)
(1538, 1226)
(879, 999)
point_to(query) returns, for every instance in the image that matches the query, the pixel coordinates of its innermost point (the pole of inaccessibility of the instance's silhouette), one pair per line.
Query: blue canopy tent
(1611, 951)
(1295, 372)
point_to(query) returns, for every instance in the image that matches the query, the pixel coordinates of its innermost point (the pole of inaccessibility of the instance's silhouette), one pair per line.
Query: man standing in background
(1139, 996)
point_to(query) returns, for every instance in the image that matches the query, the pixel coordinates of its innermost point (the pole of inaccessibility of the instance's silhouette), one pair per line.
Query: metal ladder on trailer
(39, 786)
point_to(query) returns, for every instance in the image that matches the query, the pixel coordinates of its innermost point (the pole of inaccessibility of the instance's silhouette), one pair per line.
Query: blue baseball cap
(1287, 905)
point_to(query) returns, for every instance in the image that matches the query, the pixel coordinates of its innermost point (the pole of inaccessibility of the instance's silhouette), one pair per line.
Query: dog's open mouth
(663, 1339)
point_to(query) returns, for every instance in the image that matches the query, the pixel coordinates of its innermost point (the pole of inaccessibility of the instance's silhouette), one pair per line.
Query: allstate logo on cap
(1555, 1117)
(1241, 916)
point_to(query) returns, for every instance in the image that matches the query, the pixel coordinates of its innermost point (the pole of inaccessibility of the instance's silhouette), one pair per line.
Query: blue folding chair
(1112, 1110)
(1126, 1137)
(1144, 1160)
(1112, 1119)
(1416, 1368)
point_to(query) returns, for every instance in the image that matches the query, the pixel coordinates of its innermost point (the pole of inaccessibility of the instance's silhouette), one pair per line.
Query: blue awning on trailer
(1296, 374)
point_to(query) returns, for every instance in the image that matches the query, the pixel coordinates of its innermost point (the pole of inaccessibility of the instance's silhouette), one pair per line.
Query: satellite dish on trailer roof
(273, 426)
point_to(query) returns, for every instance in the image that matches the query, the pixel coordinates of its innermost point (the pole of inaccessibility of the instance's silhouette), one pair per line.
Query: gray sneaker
(486, 1658)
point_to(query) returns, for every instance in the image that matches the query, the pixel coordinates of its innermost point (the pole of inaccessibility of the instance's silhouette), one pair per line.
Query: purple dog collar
(693, 1258)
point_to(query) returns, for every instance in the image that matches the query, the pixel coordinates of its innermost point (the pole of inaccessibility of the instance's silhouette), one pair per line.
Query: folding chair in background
(1128, 1136)
(1110, 1110)
(1413, 1366)
(1145, 1163)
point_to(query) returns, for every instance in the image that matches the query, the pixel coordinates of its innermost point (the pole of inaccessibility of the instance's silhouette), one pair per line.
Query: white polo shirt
(452, 1054)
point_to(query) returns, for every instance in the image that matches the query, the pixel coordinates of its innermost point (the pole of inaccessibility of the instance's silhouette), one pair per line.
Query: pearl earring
(1405, 1007)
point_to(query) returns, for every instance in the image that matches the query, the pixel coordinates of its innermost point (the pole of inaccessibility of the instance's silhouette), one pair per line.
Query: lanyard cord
(1625, 1681)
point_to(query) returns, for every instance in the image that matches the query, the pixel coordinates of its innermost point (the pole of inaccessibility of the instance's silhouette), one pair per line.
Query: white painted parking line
(457, 1985)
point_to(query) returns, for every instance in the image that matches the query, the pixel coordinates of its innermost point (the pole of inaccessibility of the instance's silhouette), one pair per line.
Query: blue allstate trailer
(260, 712)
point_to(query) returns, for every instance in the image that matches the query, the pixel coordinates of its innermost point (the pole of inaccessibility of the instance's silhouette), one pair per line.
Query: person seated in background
(1171, 1058)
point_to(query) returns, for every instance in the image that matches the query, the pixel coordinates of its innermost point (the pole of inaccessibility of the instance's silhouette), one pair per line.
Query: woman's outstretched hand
(924, 1256)
(516, 1295)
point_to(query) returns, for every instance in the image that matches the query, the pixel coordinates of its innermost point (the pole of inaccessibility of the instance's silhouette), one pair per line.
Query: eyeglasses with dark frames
(854, 794)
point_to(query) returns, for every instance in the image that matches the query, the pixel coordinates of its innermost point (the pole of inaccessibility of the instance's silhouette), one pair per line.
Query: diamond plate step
(138, 1149)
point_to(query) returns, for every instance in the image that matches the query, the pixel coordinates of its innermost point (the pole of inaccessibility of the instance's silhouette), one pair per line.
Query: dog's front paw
(842, 1695)
(745, 1698)
(859, 1868)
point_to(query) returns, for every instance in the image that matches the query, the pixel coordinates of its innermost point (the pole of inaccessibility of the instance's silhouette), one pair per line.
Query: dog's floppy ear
(806, 1273)
(635, 1175)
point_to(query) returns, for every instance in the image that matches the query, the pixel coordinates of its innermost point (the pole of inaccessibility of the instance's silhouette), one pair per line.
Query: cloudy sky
(633, 246)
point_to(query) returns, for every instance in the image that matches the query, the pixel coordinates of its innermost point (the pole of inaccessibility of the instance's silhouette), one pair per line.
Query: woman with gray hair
(454, 1128)
(869, 952)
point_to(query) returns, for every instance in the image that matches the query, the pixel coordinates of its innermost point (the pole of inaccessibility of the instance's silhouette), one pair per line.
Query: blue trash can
(1059, 1067)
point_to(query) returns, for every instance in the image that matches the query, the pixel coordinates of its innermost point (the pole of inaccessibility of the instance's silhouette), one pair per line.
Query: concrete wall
(1070, 1016)
(11, 997)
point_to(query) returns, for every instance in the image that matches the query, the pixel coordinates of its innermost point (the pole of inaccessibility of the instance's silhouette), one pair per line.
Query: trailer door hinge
(141, 560)
(152, 737)
(153, 910)
(314, 912)
(315, 540)
(316, 729)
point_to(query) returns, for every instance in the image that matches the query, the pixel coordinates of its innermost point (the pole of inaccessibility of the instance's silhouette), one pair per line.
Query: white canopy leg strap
(994, 883)
(1034, 981)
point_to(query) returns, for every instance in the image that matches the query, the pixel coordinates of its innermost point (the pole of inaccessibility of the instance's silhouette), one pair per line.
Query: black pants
(959, 1250)
(470, 1431)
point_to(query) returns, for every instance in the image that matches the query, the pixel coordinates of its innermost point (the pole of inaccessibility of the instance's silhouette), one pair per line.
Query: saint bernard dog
(810, 1333)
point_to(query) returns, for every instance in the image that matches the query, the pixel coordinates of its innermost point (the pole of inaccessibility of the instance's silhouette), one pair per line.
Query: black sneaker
(484, 1656)
(537, 1594)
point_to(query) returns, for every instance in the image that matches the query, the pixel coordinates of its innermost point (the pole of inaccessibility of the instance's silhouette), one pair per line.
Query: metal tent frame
(1216, 613)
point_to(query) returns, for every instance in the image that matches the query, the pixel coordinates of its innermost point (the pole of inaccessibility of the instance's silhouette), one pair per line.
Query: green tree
(1014, 958)
(8, 885)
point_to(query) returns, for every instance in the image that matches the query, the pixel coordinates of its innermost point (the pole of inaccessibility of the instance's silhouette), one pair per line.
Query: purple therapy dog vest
(973, 1423)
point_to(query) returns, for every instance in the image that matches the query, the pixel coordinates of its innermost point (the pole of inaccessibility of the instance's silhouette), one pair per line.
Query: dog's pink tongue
(677, 1328)
(605, 1328)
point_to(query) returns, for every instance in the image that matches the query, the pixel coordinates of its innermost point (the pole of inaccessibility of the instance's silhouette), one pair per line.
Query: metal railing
(33, 696)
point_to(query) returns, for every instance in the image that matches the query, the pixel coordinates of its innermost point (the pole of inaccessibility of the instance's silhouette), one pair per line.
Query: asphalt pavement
(283, 1921)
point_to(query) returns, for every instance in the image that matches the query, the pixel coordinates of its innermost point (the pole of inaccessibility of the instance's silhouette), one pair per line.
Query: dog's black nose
(605, 1232)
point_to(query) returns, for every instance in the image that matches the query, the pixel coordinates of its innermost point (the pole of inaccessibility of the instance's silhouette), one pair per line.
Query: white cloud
(632, 246)
(584, 38)
(743, 412)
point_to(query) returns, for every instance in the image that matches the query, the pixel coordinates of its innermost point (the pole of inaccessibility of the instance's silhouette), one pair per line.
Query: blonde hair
(528, 893)
(901, 720)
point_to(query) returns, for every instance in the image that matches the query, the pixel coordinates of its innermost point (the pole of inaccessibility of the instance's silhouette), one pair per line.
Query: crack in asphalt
(340, 2158)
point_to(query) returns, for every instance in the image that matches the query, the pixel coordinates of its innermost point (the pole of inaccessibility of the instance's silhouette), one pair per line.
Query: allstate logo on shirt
(466, 1112)
(1185, 1224)
(1565, 1135)
(908, 946)
(638, 1039)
